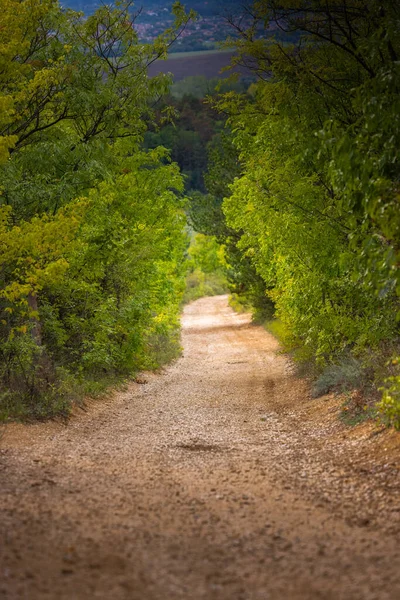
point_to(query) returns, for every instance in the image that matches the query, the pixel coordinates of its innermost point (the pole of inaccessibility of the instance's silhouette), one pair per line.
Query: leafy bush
(389, 406)
(207, 268)
(313, 204)
(199, 284)
(92, 252)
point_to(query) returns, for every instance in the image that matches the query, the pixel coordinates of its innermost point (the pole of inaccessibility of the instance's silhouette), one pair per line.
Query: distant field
(174, 55)
(185, 64)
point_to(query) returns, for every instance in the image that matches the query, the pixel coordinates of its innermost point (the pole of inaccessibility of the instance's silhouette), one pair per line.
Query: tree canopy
(91, 227)
(316, 204)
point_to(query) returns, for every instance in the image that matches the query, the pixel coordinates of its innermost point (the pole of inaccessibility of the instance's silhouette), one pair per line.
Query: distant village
(203, 34)
(154, 16)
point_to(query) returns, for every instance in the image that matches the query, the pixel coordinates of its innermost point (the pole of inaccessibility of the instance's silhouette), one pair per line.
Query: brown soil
(218, 479)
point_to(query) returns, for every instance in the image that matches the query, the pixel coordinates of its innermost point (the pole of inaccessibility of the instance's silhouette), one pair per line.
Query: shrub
(348, 374)
(207, 268)
(199, 284)
(389, 406)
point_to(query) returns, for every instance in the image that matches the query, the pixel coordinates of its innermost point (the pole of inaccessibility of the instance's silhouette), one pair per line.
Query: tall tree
(91, 233)
(316, 205)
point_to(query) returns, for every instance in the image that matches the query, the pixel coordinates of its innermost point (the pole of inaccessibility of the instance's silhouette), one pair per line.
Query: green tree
(316, 206)
(92, 229)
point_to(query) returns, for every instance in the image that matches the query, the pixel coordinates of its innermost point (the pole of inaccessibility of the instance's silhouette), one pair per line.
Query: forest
(287, 185)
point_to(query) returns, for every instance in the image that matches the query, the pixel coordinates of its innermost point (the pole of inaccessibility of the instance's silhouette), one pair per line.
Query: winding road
(217, 479)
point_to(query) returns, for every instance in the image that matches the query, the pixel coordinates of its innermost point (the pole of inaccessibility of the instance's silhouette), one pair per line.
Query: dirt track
(219, 479)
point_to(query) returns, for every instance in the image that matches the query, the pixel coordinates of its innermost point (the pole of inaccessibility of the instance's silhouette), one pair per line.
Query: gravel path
(218, 479)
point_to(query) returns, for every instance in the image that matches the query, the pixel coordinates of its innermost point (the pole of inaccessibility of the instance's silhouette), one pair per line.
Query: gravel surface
(217, 479)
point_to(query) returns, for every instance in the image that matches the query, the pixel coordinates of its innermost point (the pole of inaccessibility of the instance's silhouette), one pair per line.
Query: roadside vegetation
(302, 189)
(207, 268)
(287, 182)
(92, 227)
(316, 205)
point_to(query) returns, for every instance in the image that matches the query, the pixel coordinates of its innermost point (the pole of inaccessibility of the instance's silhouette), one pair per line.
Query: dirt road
(219, 479)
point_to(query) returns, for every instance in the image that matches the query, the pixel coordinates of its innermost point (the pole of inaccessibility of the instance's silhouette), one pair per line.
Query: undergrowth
(368, 379)
(56, 400)
(357, 408)
(200, 284)
(40, 390)
(261, 308)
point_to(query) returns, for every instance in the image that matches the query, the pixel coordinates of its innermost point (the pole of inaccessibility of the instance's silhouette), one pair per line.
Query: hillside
(154, 16)
(203, 7)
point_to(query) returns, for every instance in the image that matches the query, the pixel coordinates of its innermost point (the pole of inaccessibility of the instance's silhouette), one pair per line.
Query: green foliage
(204, 150)
(206, 215)
(207, 268)
(198, 86)
(389, 406)
(194, 126)
(91, 227)
(315, 205)
(206, 254)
